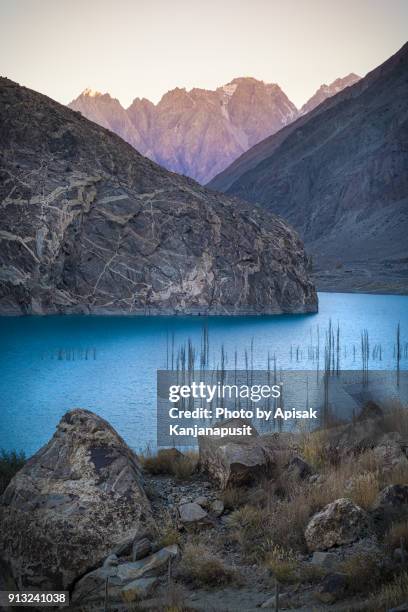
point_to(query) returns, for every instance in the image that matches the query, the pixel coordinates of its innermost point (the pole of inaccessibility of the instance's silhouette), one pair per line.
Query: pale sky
(143, 48)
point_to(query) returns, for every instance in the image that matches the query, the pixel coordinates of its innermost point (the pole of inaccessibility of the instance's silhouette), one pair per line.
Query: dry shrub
(11, 462)
(184, 467)
(200, 567)
(395, 418)
(181, 466)
(363, 572)
(310, 573)
(175, 597)
(397, 533)
(283, 564)
(389, 595)
(234, 497)
(312, 447)
(363, 489)
(168, 532)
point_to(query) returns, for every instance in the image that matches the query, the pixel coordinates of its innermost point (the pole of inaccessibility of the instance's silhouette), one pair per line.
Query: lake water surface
(108, 364)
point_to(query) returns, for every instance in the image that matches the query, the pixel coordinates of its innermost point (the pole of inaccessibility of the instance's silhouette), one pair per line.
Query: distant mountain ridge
(199, 132)
(327, 91)
(340, 175)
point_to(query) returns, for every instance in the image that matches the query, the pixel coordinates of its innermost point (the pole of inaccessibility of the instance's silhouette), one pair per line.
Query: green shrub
(10, 463)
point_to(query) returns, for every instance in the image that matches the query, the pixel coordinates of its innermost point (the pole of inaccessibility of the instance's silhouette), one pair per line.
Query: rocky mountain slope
(327, 91)
(89, 225)
(199, 132)
(340, 176)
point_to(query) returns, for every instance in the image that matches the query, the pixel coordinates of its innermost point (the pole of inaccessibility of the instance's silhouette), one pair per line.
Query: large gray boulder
(235, 460)
(74, 501)
(341, 522)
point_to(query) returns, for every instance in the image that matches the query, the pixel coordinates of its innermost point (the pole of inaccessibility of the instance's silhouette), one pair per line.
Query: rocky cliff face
(339, 174)
(89, 225)
(327, 91)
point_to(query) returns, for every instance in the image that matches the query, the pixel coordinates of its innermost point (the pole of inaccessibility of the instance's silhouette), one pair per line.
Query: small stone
(298, 469)
(402, 608)
(217, 507)
(202, 501)
(141, 548)
(184, 500)
(192, 513)
(332, 588)
(324, 559)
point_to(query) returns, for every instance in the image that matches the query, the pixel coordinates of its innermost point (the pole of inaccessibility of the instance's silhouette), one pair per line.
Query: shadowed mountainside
(340, 176)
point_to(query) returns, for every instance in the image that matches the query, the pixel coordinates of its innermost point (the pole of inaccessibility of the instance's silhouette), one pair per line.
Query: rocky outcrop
(341, 522)
(235, 460)
(339, 175)
(123, 582)
(75, 500)
(90, 226)
(199, 132)
(391, 505)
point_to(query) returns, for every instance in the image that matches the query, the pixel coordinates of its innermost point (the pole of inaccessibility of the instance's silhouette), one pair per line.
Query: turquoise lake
(49, 365)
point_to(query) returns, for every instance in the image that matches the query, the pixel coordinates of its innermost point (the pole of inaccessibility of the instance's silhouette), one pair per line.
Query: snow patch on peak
(229, 89)
(91, 93)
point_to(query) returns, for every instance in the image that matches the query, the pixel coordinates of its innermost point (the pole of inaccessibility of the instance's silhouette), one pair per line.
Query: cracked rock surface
(88, 225)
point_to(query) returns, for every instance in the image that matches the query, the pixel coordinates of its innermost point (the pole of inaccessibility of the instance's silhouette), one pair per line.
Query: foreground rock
(90, 226)
(234, 460)
(391, 505)
(341, 522)
(74, 501)
(125, 582)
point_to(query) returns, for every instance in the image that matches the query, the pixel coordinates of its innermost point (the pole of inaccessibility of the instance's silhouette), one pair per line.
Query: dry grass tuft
(181, 466)
(283, 564)
(397, 533)
(312, 446)
(234, 497)
(395, 418)
(363, 489)
(200, 567)
(363, 572)
(168, 532)
(389, 595)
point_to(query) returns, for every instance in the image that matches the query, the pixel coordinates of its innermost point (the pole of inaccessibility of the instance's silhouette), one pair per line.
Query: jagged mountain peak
(197, 132)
